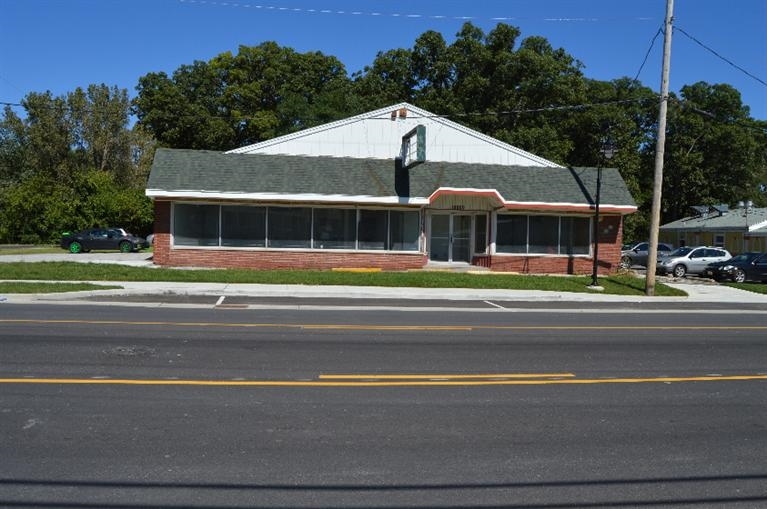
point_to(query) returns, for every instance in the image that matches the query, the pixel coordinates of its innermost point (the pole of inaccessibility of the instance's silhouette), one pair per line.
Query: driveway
(141, 259)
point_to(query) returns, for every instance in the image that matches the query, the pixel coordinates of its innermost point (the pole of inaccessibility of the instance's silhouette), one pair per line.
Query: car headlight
(728, 267)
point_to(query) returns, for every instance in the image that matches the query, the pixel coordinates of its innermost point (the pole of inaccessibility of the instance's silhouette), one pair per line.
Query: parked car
(742, 267)
(636, 254)
(691, 260)
(102, 238)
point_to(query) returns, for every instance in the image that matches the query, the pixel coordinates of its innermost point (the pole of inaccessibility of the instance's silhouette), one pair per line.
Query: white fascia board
(537, 205)
(574, 207)
(757, 226)
(280, 197)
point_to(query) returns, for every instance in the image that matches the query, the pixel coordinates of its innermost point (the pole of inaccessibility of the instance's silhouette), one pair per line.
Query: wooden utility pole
(652, 256)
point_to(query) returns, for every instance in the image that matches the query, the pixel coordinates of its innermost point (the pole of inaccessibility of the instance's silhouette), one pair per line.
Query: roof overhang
(500, 202)
(281, 197)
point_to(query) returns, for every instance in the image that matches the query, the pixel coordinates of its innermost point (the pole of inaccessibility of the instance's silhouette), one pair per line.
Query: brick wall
(265, 260)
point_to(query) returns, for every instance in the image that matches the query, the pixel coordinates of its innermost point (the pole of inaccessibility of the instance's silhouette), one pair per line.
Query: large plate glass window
(290, 227)
(195, 225)
(512, 234)
(575, 236)
(405, 230)
(335, 228)
(243, 226)
(372, 229)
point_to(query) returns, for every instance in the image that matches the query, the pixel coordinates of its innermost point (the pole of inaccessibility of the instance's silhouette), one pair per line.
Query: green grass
(7, 287)
(619, 284)
(28, 250)
(751, 287)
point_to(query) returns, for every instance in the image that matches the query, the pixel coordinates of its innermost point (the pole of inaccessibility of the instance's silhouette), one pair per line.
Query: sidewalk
(697, 293)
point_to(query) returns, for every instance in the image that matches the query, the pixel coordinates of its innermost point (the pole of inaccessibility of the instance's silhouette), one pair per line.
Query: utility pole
(652, 256)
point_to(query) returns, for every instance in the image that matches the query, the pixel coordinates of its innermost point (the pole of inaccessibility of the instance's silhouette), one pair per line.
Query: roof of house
(200, 174)
(753, 220)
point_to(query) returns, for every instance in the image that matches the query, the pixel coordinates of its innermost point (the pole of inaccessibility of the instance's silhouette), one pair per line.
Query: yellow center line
(390, 327)
(445, 377)
(359, 383)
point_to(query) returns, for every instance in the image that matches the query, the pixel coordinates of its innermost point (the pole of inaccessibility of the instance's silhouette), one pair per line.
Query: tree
(72, 162)
(233, 100)
(715, 152)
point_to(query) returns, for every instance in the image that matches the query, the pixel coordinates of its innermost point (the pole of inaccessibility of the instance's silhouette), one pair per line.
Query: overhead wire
(406, 15)
(677, 28)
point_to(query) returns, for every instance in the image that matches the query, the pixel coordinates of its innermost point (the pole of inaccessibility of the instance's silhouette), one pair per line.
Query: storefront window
(290, 227)
(542, 234)
(195, 225)
(295, 227)
(373, 228)
(512, 234)
(243, 226)
(405, 228)
(335, 228)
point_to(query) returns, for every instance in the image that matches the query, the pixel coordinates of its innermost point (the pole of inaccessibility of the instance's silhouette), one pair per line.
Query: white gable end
(378, 135)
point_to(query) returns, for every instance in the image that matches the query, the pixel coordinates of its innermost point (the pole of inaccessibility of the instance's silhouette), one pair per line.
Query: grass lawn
(619, 284)
(38, 287)
(28, 250)
(751, 287)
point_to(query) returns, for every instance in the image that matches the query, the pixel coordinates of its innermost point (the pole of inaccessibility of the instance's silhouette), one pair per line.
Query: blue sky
(58, 45)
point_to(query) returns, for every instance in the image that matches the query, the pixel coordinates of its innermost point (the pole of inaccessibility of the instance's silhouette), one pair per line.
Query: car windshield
(682, 251)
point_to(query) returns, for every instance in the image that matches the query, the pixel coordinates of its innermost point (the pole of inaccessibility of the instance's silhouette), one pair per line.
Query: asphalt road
(120, 407)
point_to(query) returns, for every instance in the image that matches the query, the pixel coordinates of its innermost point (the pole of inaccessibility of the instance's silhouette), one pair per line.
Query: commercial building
(397, 188)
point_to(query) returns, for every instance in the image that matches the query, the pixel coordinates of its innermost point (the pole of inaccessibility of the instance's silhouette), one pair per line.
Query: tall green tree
(233, 100)
(71, 162)
(715, 152)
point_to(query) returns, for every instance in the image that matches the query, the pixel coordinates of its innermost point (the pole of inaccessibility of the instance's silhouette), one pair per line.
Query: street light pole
(595, 269)
(606, 152)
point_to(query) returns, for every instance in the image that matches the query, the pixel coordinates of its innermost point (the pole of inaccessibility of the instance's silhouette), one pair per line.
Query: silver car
(636, 254)
(691, 260)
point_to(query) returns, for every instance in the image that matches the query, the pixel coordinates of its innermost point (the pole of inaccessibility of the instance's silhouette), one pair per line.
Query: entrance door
(450, 238)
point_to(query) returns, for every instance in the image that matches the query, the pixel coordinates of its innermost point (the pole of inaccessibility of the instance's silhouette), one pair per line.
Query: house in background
(738, 230)
(397, 188)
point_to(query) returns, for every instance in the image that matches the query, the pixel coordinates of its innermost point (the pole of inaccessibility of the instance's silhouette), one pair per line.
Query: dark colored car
(739, 268)
(102, 239)
(636, 254)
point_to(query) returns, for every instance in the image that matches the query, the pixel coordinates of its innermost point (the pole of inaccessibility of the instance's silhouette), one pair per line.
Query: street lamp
(607, 151)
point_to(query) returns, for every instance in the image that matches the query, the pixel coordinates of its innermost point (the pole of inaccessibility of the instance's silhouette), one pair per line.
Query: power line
(647, 55)
(404, 15)
(721, 57)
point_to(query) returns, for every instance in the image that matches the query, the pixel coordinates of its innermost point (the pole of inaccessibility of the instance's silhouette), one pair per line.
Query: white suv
(691, 260)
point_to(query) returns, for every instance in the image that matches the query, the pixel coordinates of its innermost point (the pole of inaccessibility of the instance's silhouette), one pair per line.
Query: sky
(59, 45)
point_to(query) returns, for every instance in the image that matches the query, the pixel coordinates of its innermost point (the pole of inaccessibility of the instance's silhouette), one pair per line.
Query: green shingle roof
(179, 171)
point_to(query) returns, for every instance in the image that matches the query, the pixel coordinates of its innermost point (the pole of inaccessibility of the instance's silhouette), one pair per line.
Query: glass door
(439, 250)
(461, 241)
(450, 239)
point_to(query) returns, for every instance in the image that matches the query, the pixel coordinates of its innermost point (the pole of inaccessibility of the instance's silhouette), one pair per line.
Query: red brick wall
(161, 254)
(266, 260)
